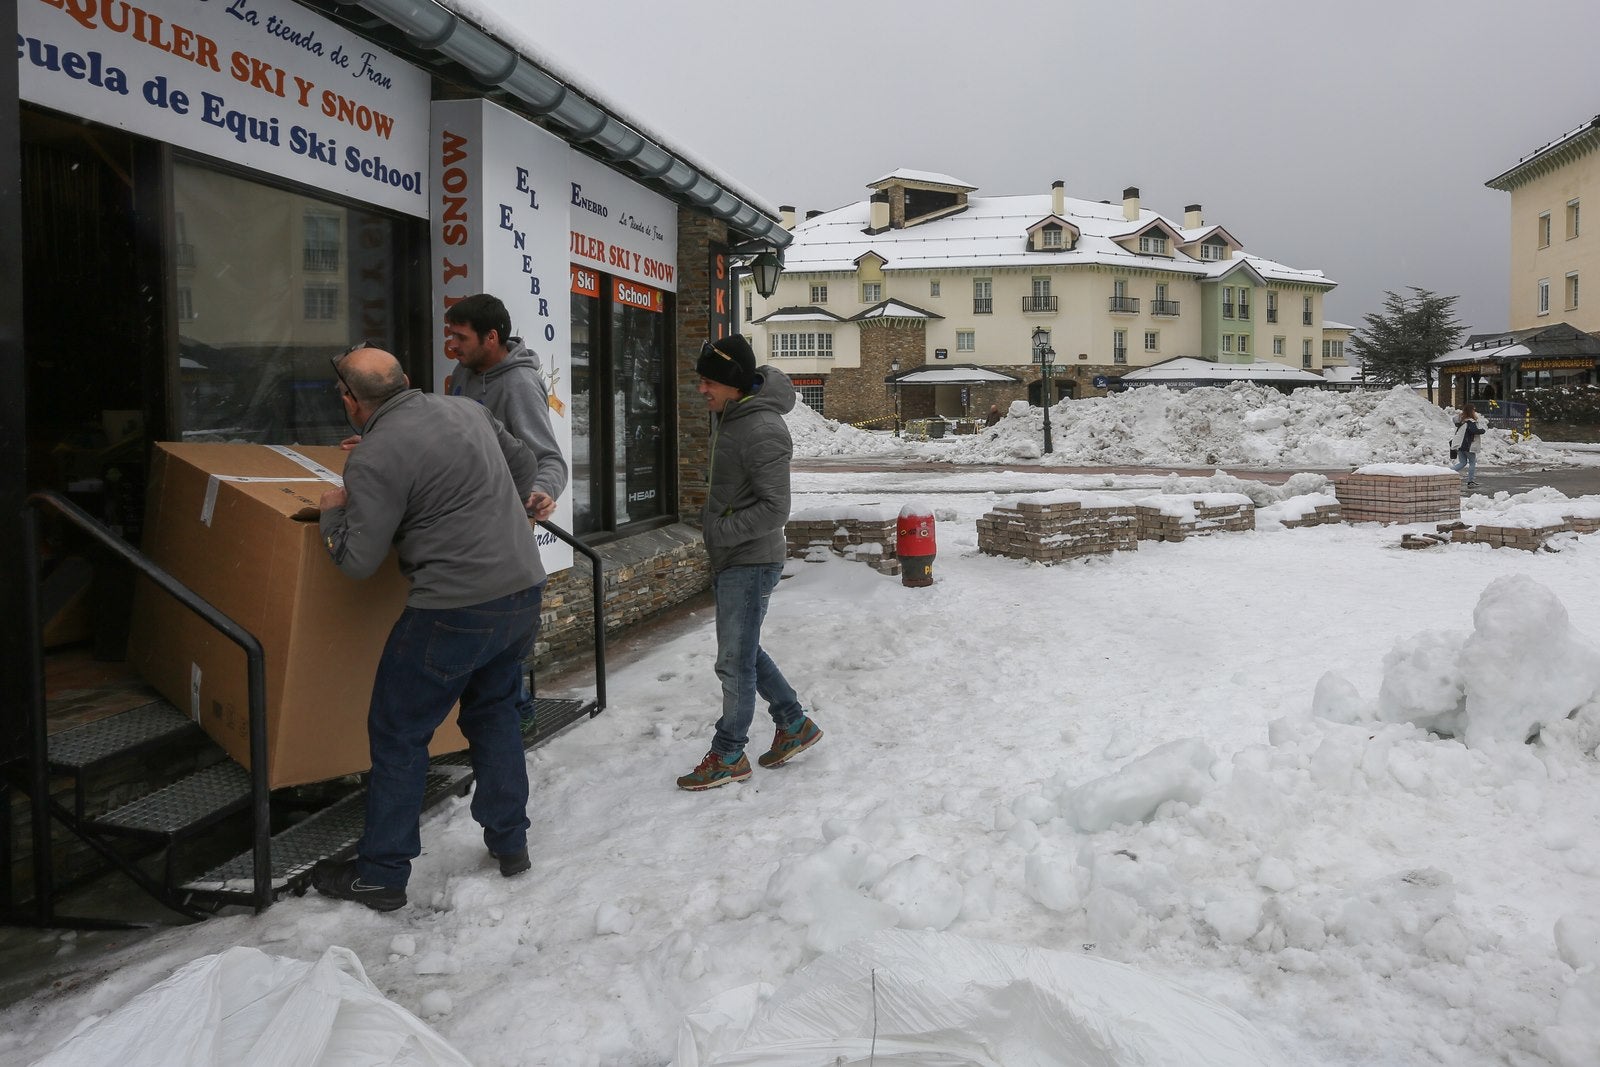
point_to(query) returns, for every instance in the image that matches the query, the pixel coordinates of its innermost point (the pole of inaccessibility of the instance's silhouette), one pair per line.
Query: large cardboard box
(238, 525)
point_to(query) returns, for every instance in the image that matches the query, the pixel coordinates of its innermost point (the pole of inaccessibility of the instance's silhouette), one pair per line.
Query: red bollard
(914, 545)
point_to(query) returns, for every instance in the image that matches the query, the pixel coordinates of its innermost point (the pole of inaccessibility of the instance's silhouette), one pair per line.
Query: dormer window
(1050, 237)
(1151, 244)
(1214, 250)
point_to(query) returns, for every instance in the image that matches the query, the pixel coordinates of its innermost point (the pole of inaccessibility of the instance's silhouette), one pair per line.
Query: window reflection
(270, 283)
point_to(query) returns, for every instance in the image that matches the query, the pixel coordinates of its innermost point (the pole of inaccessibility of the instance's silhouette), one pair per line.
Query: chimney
(786, 216)
(1058, 198)
(1130, 203)
(813, 213)
(879, 220)
(1191, 217)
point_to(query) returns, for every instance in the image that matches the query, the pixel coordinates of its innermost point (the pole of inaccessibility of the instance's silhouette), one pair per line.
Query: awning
(1190, 371)
(961, 375)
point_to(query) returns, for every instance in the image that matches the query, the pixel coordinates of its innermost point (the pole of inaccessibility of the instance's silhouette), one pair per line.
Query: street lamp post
(894, 368)
(1044, 355)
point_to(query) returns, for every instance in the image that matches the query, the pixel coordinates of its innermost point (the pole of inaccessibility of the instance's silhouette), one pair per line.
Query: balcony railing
(322, 259)
(1119, 355)
(1126, 304)
(1163, 307)
(185, 255)
(1305, 318)
(982, 305)
(1244, 311)
(1272, 314)
(1039, 303)
(1227, 311)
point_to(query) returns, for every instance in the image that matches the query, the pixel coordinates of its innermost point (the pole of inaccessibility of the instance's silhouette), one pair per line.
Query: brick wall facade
(857, 394)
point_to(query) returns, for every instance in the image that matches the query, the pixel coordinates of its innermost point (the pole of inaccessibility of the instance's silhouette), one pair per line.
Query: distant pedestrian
(1470, 428)
(747, 505)
(993, 416)
(440, 482)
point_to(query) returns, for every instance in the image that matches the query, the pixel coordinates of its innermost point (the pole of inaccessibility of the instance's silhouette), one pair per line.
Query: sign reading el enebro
(264, 83)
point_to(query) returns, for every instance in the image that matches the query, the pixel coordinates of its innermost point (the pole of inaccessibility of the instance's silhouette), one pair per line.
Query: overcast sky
(1351, 136)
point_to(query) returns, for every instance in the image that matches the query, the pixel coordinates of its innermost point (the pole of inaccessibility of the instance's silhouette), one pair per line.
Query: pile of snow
(1238, 425)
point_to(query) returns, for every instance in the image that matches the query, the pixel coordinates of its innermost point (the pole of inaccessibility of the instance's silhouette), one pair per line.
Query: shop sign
(719, 320)
(635, 295)
(267, 84)
(585, 282)
(1470, 368)
(1556, 364)
(619, 227)
(500, 227)
(806, 381)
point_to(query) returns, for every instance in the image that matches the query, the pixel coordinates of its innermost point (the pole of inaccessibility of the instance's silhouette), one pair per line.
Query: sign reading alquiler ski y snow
(264, 83)
(620, 228)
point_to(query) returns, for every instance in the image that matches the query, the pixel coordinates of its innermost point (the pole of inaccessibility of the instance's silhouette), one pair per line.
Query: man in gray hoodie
(438, 480)
(501, 373)
(747, 505)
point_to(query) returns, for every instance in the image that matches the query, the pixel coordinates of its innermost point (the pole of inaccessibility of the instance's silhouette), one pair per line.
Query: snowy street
(1198, 759)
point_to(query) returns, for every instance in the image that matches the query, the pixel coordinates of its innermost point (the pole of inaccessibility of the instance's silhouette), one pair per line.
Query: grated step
(550, 717)
(188, 804)
(126, 732)
(328, 833)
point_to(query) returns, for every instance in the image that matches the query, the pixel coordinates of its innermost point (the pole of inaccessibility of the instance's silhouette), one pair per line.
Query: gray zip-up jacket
(747, 498)
(515, 392)
(439, 479)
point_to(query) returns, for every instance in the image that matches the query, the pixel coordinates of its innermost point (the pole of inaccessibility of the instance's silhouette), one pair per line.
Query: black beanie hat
(728, 360)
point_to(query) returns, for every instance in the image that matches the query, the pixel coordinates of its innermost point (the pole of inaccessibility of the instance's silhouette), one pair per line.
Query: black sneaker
(513, 863)
(339, 879)
(1472, 485)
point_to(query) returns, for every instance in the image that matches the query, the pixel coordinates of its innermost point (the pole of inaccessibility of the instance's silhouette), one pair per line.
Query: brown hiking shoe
(786, 746)
(712, 772)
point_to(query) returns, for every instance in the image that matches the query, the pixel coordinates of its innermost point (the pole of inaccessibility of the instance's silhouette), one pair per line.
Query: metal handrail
(598, 585)
(256, 686)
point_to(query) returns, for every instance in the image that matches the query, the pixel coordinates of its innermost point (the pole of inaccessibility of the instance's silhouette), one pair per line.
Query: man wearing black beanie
(747, 505)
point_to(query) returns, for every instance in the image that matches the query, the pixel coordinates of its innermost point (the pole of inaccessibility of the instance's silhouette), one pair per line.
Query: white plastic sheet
(245, 1008)
(952, 1001)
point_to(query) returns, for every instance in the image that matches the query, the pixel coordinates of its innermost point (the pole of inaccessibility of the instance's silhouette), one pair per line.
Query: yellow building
(927, 277)
(1553, 257)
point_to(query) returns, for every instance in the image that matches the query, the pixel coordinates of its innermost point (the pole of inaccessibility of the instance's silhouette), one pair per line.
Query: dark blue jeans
(742, 664)
(434, 657)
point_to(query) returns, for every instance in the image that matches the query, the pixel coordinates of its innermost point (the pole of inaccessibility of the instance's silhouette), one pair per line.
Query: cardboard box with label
(238, 525)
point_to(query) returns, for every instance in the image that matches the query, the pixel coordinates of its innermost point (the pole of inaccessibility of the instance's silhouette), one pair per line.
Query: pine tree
(1398, 345)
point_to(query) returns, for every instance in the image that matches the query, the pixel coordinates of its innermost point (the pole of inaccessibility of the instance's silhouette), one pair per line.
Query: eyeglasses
(334, 361)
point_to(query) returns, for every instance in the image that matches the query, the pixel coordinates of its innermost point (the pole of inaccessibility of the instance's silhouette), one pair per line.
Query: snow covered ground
(1202, 760)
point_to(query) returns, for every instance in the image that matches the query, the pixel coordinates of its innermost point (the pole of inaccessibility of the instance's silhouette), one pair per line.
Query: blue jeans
(1468, 460)
(743, 665)
(434, 657)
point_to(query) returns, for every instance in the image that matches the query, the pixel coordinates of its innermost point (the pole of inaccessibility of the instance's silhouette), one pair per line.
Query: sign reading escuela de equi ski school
(265, 83)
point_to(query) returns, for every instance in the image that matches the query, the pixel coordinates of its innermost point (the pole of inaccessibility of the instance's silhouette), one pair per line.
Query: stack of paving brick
(1319, 514)
(1528, 536)
(868, 539)
(1399, 497)
(1058, 529)
(1173, 517)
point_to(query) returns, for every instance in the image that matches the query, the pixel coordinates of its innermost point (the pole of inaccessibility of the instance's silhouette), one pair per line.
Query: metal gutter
(432, 28)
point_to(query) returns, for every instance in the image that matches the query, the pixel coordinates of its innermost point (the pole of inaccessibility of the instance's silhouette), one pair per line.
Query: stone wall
(857, 394)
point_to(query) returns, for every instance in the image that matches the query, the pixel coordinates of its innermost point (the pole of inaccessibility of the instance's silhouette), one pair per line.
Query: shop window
(619, 390)
(256, 325)
(810, 396)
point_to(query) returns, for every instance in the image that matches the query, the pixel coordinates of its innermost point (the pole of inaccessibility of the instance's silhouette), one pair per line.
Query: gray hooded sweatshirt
(514, 391)
(440, 481)
(747, 498)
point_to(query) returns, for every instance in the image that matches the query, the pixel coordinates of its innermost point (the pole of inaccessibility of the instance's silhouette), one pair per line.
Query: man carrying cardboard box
(443, 482)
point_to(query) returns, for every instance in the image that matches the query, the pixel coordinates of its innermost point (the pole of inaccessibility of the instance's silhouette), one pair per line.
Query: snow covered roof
(800, 314)
(992, 232)
(1187, 368)
(894, 309)
(1329, 324)
(960, 374)
(1574, 142)
(1478, 355)
(1347, 376)
(927, 177)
